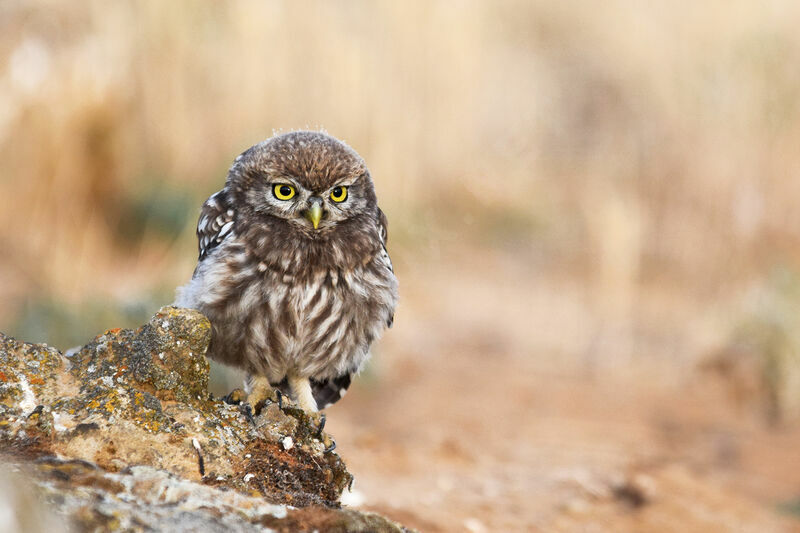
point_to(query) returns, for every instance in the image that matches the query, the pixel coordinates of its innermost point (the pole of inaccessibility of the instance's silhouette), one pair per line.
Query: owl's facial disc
(314, 211)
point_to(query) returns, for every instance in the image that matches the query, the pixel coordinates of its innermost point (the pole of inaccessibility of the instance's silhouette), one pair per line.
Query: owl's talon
(279, 394)
(324, 438)
(330, 447)
(234, 397)
(247, 411)
(322, 420)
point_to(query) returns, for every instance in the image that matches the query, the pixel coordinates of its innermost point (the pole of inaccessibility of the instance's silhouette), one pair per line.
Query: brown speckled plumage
(283, 297)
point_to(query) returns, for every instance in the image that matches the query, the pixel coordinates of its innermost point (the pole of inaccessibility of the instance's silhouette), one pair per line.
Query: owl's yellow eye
(283, 191)
(339, 194)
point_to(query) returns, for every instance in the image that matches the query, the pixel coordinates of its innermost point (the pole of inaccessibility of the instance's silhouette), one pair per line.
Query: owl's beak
(314, 211)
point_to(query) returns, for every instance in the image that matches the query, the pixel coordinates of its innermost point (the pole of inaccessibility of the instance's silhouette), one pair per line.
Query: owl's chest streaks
(318, 322)
(319, 327)
(292, 310)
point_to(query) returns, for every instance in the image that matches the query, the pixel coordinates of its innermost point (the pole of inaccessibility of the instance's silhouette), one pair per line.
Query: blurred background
(593, 217)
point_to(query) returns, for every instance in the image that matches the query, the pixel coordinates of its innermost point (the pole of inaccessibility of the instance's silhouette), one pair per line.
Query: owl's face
(314, 208)
(309, 180)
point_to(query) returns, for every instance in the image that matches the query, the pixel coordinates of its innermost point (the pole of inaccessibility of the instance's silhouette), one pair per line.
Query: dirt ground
(475, 417)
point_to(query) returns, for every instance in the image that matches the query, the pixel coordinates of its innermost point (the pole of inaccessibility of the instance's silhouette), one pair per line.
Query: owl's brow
(276, 180)
(344, 183)
(348, 181)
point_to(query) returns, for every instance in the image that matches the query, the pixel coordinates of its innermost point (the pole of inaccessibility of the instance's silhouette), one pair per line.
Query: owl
(293, 271)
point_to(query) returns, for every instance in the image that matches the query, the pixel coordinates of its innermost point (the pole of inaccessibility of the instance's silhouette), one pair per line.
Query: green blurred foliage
(156, 208)
(64, 326)
(766, 339)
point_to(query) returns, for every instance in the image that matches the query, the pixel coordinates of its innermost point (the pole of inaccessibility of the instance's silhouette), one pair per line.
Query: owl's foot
(320, 435)
(247, 411)
(238, 397)
(251, 404)
(259, 392)
(234, 397)
(321, 426)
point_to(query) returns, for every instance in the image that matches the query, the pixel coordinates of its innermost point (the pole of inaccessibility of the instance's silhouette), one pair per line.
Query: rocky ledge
(123, 435)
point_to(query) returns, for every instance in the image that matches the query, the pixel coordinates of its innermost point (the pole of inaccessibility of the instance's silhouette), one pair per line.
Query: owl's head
(308, 179)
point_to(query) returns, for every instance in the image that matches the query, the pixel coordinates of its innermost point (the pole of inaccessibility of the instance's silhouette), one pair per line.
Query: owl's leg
(258, 390)
(301, 387)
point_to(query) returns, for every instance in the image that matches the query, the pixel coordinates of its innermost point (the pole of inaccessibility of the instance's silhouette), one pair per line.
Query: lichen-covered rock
(129, 414)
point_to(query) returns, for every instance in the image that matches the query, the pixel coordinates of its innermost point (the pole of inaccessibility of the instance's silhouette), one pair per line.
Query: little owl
(293, 271)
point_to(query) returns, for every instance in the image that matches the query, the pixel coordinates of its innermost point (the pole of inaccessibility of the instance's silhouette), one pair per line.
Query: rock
(123, 434)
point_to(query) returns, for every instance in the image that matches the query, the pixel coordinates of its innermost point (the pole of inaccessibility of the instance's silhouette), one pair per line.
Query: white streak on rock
(28, 402)
(59, 419)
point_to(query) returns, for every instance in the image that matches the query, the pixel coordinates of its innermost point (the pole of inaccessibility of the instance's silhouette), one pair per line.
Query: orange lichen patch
(104, 401)
(3, 376)
(138, 399)
(36, 380)
(113, 331)
(151, 425)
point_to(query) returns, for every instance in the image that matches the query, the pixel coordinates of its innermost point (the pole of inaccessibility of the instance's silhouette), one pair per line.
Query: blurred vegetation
(761, 359)
(791, 507)
(67, 326)
(154, 209)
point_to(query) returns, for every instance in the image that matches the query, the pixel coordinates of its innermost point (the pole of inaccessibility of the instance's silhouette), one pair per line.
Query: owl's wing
(383, 224)
(215, 223)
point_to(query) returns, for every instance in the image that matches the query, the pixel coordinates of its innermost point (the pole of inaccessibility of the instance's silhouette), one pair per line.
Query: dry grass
(641, 156)
(641, 140)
